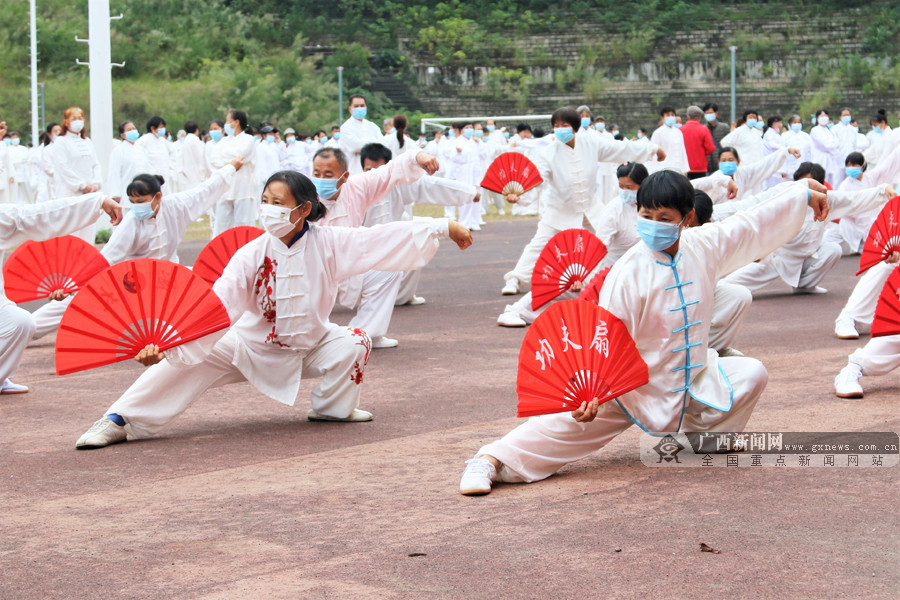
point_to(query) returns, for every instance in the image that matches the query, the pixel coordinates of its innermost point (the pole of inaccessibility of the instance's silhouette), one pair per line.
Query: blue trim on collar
(301, 234)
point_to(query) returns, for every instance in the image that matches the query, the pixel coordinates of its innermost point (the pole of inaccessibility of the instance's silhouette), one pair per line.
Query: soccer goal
(510, 120)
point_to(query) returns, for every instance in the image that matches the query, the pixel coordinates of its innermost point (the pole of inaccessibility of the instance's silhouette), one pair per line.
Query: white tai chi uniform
(852, 231)
(372, 294)
(240, 205)
(19, 224)
(125, 161)
(802, 142)
(356, 133)
(863, 299)
(879, 356)
(846, 137)
(278, 298)
(192, 168)
(747, 141)
(75, 166)
(690, 387)
(750, 177)
(671, 141)
(160, 156)
(7, 172)
(570, 182)
(156, 237)
(773, 142)
(824, 151)
(22, 189)
(805, 260)
(396, 206)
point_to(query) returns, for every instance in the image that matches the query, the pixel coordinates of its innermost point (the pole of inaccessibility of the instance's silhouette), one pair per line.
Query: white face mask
(76, 126)
(823, 120)
(276, 219)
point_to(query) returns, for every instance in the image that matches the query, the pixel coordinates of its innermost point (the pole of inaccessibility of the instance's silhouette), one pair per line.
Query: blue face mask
(359, 112)
(728, 167)
(451, 134)
(564, 134)
(759, 124)
(337, 135)
(670, 121)
(325, 188)
(161, 132)
(710, 117)
(133, 135)
(15, 141)
(392, 131)
(142, 211)
(796, 126)
(7, 141)
(600, 126)
(490, 128)
(229, 129)
(830, 125)
(290, 140)
(657, 235)
(270, 139)
(628, 197)
(506, 134)
(479, 133)
(215, 134)
(875, 128)
(468, 133)
(846, 119)
(751, 123)
(585, 122)
(853, 172)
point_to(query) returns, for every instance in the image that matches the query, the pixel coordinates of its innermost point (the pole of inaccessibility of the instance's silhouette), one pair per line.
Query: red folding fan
(887, 311)
(511, 173)
(568, 257)
(591, 290)
(213, 258)
(131, 305)
(36, 269)
(574, 352)
(884, 236)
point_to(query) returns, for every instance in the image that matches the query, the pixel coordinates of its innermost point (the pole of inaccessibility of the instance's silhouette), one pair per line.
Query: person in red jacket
(698, 143)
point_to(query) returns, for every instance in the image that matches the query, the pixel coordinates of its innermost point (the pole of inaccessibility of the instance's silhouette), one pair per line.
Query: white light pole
(34, 82)
(733, 86)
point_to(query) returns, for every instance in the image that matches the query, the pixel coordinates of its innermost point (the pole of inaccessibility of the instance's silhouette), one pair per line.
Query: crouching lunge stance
(663, 292)
(279, 290)
(38, 222)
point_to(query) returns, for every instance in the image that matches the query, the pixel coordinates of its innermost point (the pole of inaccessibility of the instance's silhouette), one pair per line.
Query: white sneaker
(357, 416)
(810, 290)
(102, 433)
(478, 477)
(730, 352)
(845, 329)
(846, 384)
(9, 387)
(511, 288)
(510, 318)
(416, 301)
(384, 342)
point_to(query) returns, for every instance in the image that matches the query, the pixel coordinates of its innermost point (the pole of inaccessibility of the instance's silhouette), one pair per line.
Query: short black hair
(567, 115)
(375, 152)
(155, 122)
(144, 185)
(354, 97)
(191, 127)
(239, 116)
(880, 117)
(302, 190)
(667, 189)
(856, 158)
(523, 127)
(703, 207)
(218, 122)
(748, 112)
(711, 105)
(733, 150)
(335, 152)
(814, 170)
(634, 171)
(122, 126)
(666, 109)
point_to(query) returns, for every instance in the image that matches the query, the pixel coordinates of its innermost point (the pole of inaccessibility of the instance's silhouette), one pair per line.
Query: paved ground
(243, 498)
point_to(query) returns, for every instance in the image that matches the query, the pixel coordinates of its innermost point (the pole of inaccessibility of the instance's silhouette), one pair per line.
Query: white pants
(163, 392)
(470, 215)
(756, 276)
(47, 317)
(833, 235)
(16, 329)
(862, 301)
(532, 251)
(729, 308)
(376, 304)
(542, 445)
(878, 357)
(409, 283)
(234, 213)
